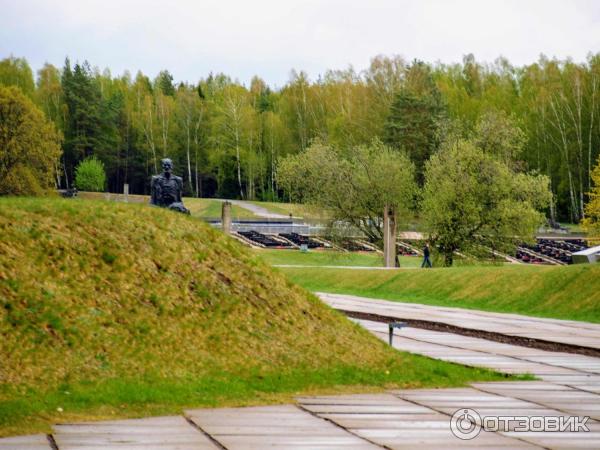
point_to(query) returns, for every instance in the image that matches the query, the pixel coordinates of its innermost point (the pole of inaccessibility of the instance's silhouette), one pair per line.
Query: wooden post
(126, 192)
(226, 217)
(386, 236)
(389, 237)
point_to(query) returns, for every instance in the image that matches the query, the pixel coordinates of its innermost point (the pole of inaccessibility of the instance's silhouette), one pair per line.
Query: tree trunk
(196, 145)
(577, 124)
(552, 209)
(272, 161)
(589, 171)
(65, 169)
(239, 170)
(561, 127)
(448, 258)
(164, 124)
(57, 174)
(189, 160)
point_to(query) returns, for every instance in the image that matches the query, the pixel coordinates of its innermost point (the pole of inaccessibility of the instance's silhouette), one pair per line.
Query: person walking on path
(426, 260)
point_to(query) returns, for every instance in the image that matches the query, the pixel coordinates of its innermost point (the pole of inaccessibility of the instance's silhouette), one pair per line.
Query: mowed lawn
(211, 208)
(199, 207)
(571, 292)
(330, 258)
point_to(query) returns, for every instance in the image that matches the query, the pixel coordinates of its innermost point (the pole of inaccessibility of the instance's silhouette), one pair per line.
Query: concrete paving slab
(452, 400)
(159, 433)
(31, 442)
(261, 427)
(395, 423)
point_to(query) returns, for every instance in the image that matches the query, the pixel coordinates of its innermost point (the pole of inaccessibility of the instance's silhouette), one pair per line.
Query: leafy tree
(300, 110)
(164, 82)
(90, 175)
(497, 134)
(189, 114)
(16, 72)
(415, 117)
(29, 146)
(544, 116)
(355, 185)
(49, 94)
(592, 209)
(235, 122)
(96, 119)
(110, 147)
(474, 203)
(83, 128)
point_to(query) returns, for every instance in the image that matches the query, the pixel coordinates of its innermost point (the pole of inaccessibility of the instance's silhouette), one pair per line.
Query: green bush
(90, 175)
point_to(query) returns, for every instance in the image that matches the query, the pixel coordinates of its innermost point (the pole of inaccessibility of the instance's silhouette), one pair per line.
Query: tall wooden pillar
(389, 237)
(226, 217)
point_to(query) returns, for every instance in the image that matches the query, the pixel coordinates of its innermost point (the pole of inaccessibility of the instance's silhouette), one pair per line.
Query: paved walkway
(569, 385)
(552, 330)
(258, 210)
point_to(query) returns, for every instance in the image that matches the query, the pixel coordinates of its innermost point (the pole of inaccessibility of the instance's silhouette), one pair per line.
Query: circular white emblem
(465, 424)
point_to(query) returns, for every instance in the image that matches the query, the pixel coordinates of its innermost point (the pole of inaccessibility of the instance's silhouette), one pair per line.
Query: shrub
(90, 175)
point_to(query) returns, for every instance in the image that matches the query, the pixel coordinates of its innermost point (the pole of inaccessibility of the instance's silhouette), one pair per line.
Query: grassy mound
(560, 292)
(111, 309)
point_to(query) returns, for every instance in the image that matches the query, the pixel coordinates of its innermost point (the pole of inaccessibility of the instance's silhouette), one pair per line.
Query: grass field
(573, 227)
(353, 259)
(210, 208)
(121, 310)
(571, 292)
(199, 207)
(330, 258)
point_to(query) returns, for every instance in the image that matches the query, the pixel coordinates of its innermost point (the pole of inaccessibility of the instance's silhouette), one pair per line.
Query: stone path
(569, 332)
(258, 210)
(151, 433)
(478, 352)
(390, 421)
(34, 442)
(420, 417)
(285, 426)
(569, 385)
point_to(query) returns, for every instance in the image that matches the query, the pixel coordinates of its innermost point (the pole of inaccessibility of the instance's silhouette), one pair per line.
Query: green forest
(226, 138)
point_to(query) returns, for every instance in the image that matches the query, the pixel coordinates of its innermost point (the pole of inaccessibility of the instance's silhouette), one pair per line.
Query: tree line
(227, 138)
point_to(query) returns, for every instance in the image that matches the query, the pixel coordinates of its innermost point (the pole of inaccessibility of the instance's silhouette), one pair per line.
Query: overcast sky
(268, 38)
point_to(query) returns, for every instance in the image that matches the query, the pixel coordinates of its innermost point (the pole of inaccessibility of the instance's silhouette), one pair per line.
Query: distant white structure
(589, 255)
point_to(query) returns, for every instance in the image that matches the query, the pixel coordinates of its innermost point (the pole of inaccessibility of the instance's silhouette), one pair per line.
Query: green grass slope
(120, 310)
(571, 292)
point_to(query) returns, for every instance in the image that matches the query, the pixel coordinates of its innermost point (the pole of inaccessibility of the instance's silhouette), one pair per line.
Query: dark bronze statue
(166, 189)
